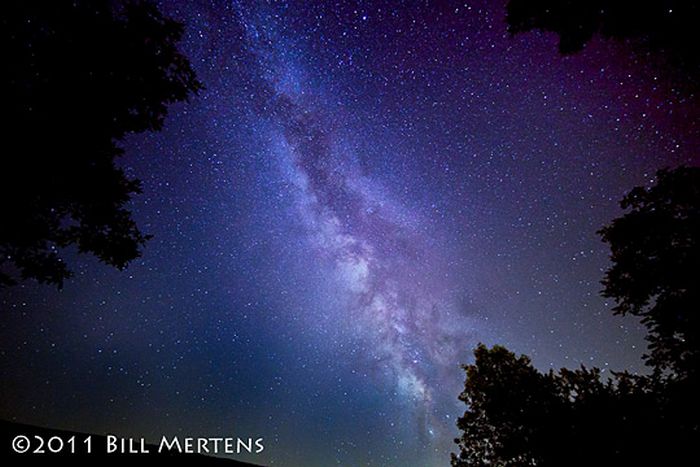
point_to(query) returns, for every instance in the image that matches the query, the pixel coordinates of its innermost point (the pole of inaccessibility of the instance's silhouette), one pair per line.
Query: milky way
(361, 193)
(382, 267)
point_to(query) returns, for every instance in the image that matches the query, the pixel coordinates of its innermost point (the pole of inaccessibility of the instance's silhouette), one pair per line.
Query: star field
(362, 192)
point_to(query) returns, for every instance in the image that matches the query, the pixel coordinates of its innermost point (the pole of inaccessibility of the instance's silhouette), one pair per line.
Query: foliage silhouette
(518, 416)
(656, 255)
(667, 26)
(82, 74)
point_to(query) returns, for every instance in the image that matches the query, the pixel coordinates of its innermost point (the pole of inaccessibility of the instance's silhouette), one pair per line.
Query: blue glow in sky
(362, 193)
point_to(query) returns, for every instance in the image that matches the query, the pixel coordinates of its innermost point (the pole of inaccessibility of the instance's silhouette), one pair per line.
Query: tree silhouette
(667, 26)
(656, 267)
(518, 416)
(80, 76)
(507, 398)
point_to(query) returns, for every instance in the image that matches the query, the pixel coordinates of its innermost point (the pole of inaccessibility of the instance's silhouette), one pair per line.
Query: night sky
(361, 194)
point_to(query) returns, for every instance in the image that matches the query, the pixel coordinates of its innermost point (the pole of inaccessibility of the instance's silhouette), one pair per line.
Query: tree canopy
(518, 416)
(654, 274)
(80, 76)
(667, 26)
